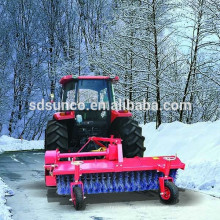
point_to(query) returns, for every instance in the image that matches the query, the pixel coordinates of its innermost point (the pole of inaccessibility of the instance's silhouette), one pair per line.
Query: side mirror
(51, 97)
(114, 79)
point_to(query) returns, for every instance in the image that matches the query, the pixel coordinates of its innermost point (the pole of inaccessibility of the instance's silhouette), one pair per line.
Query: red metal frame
(113, 162)
(58, 115)
(68, 78)
(118, 114)
(114, 114)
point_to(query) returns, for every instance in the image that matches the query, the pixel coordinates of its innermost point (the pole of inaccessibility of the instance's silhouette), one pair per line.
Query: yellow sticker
(156, 158)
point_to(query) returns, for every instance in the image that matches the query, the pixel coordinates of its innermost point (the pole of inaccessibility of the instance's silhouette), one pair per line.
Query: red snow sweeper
(101, 151)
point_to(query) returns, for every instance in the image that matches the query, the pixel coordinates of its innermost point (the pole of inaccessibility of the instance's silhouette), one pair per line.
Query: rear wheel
(56, 136)
(171, 194)
(131, 134)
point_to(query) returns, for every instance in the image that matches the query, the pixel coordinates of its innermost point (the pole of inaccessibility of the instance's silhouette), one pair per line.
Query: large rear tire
(56, 136)
(131, 134)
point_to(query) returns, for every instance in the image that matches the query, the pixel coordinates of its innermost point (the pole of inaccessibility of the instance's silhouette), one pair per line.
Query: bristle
(113, 182)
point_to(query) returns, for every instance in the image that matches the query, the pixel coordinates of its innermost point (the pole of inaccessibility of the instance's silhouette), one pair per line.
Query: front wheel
(78, 198)
(171, 194)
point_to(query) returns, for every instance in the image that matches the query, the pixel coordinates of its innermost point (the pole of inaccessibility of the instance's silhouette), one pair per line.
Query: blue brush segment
(67, 185)
(126, 182)
(121, 184)
(132, 182)
(138, 181)
(114, 182)
(86, 184)
(98, 184)
(63, 185)
(91, 184)
(109, 183)
(104, 183)
(173, 173)
(143, 180)
(58, 186)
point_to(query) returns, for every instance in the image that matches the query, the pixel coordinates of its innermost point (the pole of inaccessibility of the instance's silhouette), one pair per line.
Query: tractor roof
(68, 78)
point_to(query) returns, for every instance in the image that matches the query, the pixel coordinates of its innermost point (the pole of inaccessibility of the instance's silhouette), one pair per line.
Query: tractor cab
(87, 113)
(88, 94)
(90, 98)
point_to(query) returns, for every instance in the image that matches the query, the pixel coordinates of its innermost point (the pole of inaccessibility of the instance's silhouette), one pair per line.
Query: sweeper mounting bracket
(111, 173)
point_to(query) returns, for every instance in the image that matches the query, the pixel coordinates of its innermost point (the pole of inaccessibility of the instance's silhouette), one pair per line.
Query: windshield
(89, 91)
(92, 91)
(69, 90)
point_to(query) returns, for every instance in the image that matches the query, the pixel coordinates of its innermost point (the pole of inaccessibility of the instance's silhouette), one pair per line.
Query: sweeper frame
(109, 172)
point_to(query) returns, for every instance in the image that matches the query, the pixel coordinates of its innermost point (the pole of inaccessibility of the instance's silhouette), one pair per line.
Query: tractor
(70, 129)
(100, 150)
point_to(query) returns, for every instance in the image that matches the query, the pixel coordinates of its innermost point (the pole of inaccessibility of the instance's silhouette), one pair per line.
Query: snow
(197, 145)
(12, 144)
(5, 213)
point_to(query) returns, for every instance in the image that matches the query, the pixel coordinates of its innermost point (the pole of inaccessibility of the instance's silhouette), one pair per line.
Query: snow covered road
(23, 173)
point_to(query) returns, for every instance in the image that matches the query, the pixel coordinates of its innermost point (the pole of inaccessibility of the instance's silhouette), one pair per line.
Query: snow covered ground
(12, 144)
(5, 213)
(197, 145)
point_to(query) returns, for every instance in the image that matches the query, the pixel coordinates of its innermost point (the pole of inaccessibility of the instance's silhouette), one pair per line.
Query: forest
(162, 51)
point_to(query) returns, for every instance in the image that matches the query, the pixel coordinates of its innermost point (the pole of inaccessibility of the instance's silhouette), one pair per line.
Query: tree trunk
(158, 114)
